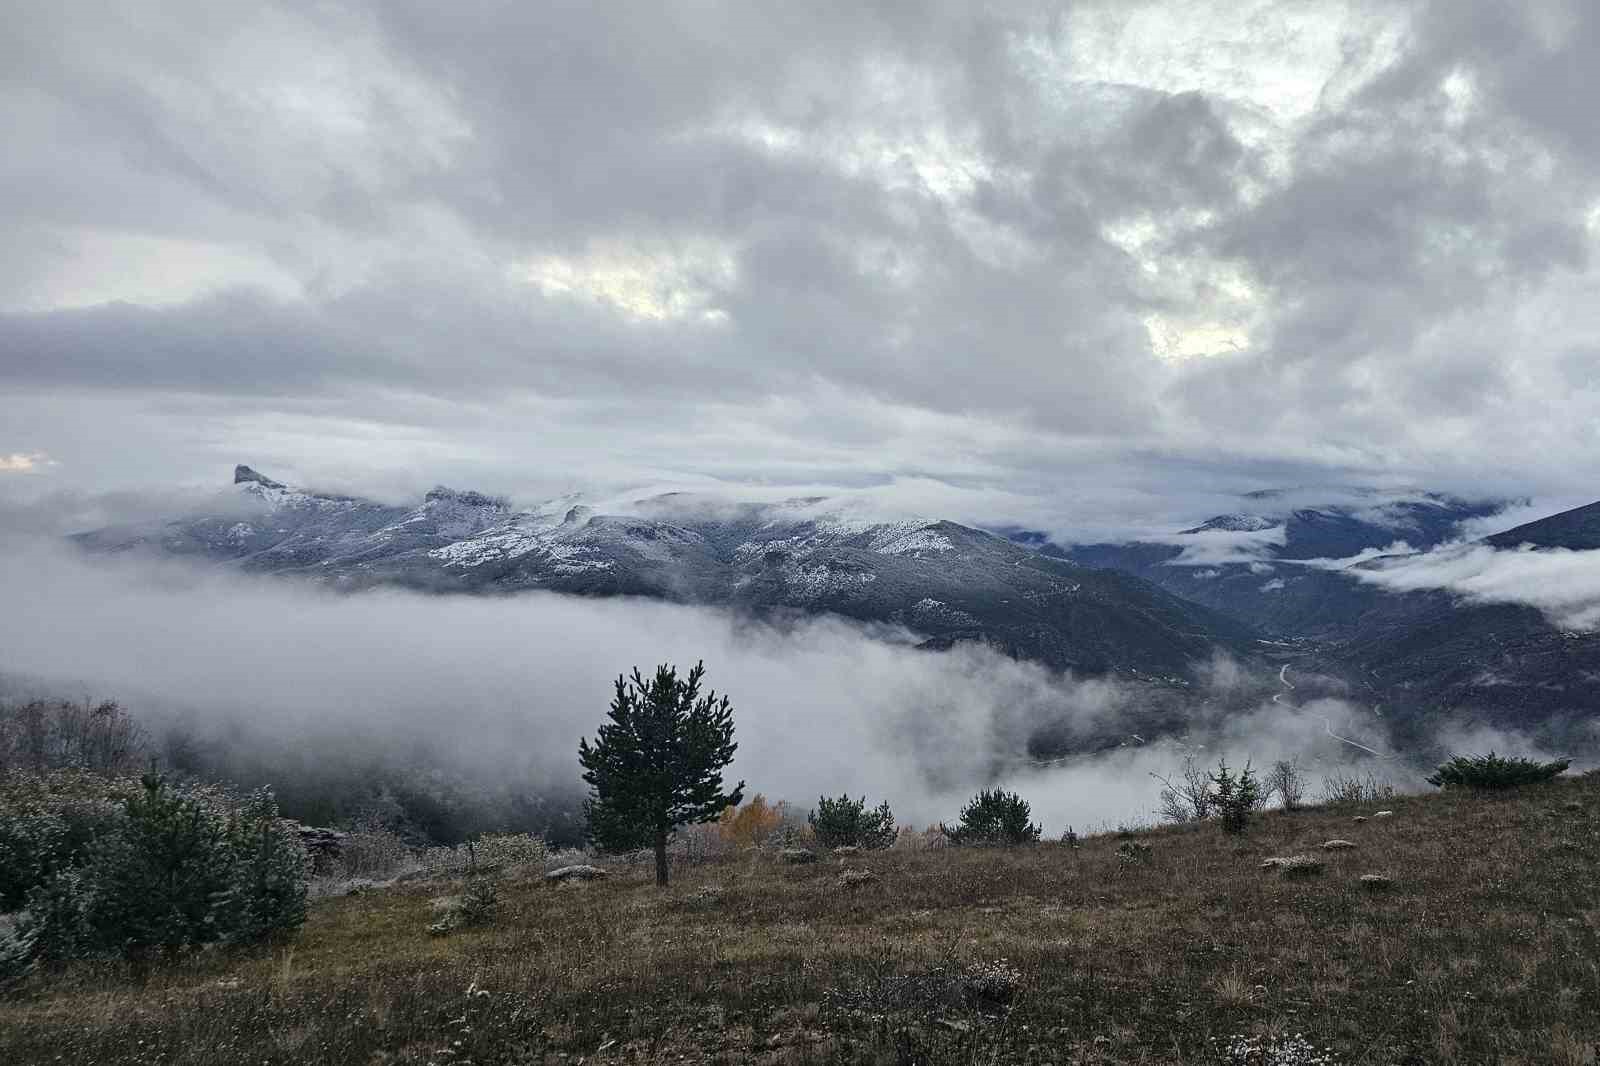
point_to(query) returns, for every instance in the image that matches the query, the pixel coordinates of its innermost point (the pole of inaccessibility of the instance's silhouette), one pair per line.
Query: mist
(506, 686)
(1563, 583)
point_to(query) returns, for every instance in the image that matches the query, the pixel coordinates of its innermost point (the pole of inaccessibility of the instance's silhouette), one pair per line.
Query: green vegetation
(1235, 796)
(657, 764)
(844, 822)
(994, 817)
(1493, 771)
(135, 869)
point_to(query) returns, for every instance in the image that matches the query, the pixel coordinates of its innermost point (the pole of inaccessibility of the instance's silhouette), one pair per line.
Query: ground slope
(1485, 949)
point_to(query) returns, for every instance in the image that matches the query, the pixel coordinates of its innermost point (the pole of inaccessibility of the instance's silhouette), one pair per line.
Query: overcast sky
(1099, 259)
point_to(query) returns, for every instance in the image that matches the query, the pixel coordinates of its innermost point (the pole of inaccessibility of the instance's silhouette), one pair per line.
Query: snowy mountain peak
(1233, 523)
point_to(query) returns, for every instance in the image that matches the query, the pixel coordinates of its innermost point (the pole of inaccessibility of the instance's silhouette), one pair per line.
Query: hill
(1484, 948)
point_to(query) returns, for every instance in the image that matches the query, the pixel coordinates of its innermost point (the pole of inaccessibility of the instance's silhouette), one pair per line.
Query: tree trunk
(661, 858)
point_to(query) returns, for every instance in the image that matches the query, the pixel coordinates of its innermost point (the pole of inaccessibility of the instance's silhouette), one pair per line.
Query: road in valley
(1283, 679)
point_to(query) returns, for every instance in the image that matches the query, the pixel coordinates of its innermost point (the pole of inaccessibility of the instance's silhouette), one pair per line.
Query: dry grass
(1485, 949)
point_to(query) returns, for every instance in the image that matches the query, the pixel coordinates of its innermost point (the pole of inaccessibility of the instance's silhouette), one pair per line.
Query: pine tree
(845, 822)
(994, 817)
(657, 764)
(1237, 796)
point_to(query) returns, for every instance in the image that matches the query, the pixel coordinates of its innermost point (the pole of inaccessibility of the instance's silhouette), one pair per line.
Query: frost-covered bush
(844, 822)
(474, 907)
(491, 850)
(373, 853)
(173, 868)
(268, 872)
(18, 951)
(48, 821)
(512, 849)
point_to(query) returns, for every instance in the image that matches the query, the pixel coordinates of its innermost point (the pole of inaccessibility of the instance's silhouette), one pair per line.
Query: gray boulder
(575, 873)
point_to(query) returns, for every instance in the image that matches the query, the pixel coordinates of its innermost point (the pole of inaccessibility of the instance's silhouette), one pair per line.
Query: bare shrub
(373, 854)
(1288, 782)
(1189, 798)
(1350, 789)
(43, 735)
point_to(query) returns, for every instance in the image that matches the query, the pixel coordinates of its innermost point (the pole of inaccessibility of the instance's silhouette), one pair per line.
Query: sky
(1089, 264)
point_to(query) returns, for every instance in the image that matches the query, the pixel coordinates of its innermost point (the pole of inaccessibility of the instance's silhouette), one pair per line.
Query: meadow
(1478, 942)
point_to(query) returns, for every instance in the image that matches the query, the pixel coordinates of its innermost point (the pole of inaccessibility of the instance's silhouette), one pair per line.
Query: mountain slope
(1436, 654)
(1255, 566)
(1577, 530)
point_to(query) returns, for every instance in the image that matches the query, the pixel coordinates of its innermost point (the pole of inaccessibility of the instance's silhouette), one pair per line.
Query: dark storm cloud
(1051, 252)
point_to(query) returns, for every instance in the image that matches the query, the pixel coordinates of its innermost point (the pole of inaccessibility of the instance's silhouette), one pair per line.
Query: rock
(323, 845)
(1383, 814)
(797, 856)
(1572, 805)
(848, 849)
(243, 474)
(575, 873)
(855, 877)
(1376, 882)
(1338, 845)
(1361, 818)
(1295, 865)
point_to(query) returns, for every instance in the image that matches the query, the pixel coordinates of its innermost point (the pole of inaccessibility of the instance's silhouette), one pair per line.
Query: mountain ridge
(944, 582)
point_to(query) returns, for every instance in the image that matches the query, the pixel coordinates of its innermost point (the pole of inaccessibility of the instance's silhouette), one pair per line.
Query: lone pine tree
(657, 764)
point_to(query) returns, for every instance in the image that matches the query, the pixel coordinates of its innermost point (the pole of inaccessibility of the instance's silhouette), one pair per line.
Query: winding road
(1283, 679)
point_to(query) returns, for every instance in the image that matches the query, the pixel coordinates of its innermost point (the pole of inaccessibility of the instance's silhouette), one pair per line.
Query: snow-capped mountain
(944, 582)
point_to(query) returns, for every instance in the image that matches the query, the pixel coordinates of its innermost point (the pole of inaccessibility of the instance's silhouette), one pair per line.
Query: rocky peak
(244, 475)
(443, 494)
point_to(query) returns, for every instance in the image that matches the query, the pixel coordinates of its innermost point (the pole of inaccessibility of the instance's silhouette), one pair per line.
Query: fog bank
(508, 685)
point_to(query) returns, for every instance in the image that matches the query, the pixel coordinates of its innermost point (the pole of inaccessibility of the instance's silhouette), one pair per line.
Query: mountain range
(940, 581)
(1271, 584)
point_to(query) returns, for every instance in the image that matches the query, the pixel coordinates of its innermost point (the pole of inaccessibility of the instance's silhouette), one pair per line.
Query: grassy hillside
(1486, 948)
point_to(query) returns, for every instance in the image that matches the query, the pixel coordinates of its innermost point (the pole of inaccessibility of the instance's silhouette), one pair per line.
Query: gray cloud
(1102, 265)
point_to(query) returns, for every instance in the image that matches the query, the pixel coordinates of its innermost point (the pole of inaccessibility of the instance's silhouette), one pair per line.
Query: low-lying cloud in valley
(1563, 583)
(505, 686)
